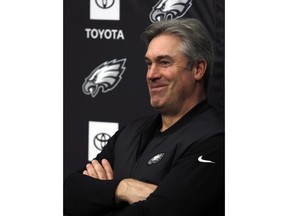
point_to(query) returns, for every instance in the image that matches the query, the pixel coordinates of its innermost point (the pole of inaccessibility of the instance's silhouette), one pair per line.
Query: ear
(200, 68)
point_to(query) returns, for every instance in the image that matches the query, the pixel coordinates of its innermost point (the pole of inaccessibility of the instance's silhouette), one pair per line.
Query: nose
(153, 72)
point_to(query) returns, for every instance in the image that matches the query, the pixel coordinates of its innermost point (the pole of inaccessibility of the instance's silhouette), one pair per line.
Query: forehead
(163, 45)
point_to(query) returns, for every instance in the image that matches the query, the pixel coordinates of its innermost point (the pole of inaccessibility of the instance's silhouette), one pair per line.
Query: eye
(148, 64)
(163, 6)
(164, 63)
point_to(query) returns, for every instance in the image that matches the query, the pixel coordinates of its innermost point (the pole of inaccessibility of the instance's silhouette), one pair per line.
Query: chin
(157, 106)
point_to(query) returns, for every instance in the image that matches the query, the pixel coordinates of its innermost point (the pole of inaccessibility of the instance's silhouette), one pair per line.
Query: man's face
(169, 81)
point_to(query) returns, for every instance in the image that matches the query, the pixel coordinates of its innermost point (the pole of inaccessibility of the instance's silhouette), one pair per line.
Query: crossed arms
(189, 188)
(128, 190)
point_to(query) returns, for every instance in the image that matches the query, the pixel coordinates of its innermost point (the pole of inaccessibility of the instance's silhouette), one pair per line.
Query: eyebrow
(158, 57)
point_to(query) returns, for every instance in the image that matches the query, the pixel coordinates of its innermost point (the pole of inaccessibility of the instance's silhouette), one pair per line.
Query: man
(167, 164)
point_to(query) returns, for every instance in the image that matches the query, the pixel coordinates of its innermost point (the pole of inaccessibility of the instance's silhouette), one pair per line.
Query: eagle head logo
(169, 9)
(105, 77)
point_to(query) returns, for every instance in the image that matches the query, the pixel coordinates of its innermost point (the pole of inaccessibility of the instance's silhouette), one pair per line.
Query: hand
(101, 171)
(131, 191)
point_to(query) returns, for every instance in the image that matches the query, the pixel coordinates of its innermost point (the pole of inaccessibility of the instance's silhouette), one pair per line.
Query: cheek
(185, 84)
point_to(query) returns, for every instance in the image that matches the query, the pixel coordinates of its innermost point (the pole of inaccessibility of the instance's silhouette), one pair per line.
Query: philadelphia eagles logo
(105, 77)
(169, 9)
(156, 159)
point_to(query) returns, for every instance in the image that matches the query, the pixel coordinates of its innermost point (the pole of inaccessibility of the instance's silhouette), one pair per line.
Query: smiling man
(167, 164)
(174, 86)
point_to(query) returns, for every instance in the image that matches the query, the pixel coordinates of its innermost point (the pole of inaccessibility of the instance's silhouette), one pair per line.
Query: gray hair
(195, 41)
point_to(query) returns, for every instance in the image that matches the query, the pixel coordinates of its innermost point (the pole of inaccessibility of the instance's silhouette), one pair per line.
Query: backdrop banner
(104, 68)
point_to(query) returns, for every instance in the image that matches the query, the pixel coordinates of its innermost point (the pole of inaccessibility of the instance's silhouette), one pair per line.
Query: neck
(169, 119)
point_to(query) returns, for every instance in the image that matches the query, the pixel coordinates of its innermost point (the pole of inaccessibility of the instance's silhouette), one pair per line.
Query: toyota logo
(105, 4)
(100, 140)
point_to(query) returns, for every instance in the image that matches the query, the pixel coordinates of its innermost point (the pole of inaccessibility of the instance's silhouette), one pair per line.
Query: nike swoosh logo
(204, 161)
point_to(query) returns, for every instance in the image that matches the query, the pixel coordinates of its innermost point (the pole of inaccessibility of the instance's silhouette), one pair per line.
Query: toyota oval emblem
(100, 140)
(105, 4)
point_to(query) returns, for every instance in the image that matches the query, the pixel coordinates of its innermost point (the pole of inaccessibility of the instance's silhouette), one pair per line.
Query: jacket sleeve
(192, 187)
(84, 195)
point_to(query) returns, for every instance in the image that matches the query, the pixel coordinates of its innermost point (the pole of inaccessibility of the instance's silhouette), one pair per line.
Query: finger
(85, 172)
(99, 170)
(108, 169)
(91, 171)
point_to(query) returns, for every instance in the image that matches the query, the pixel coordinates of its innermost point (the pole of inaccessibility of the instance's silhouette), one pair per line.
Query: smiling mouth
(157, 88)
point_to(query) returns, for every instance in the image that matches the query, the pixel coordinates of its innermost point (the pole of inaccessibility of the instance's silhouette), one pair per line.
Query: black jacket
(186, 162)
